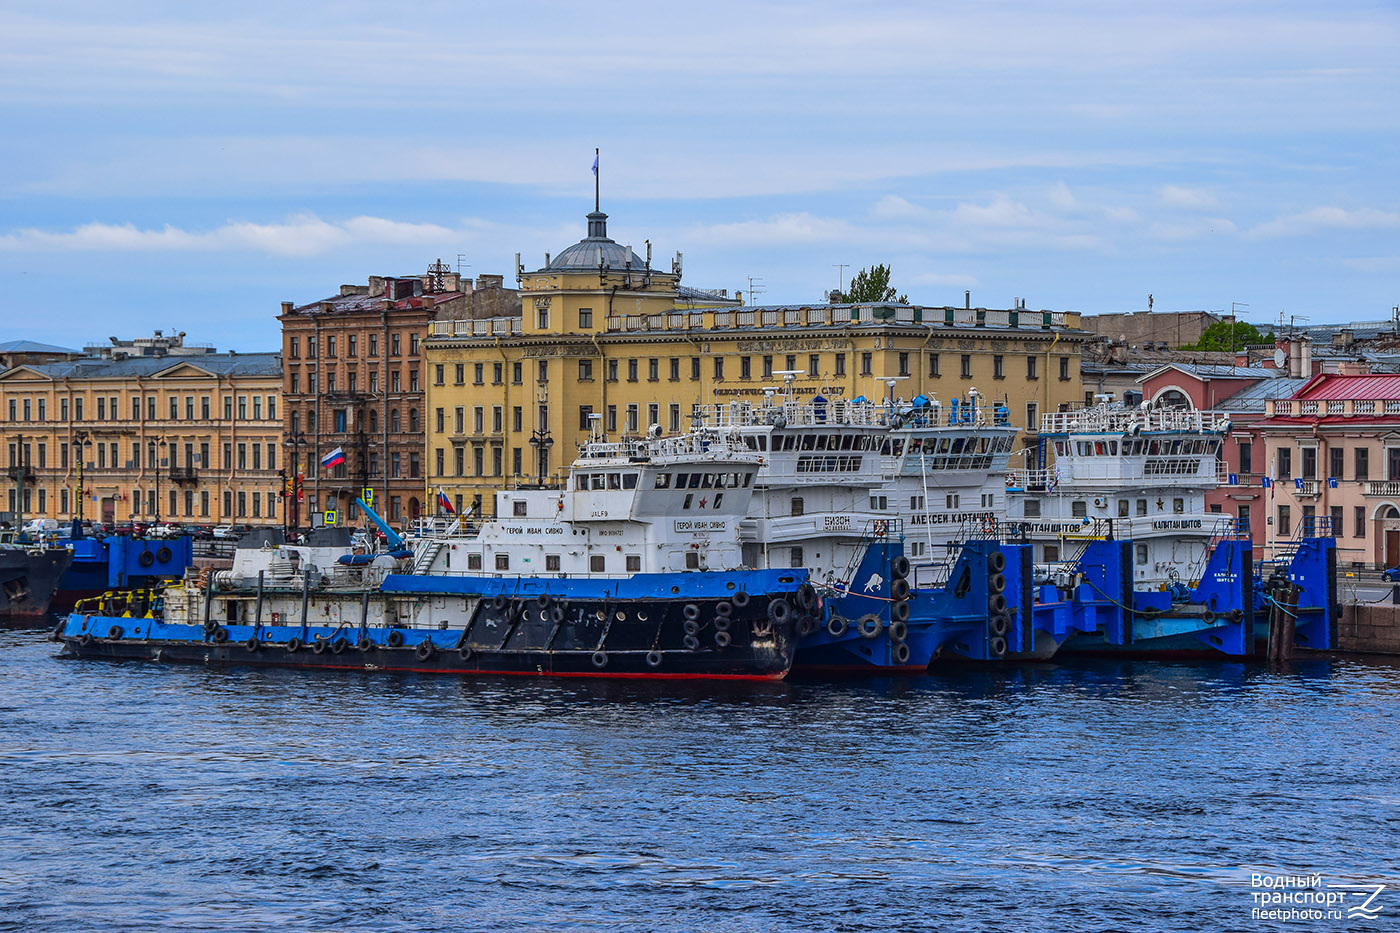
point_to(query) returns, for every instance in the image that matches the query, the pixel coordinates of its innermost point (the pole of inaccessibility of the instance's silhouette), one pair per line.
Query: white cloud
(1062, 197)
(1373, 263)
(893, 207)
(1192, 228)
(1327, 218)
(1188, 198)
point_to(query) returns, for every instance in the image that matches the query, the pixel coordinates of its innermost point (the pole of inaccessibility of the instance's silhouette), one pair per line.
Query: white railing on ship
(1091, 420)
(794, 414)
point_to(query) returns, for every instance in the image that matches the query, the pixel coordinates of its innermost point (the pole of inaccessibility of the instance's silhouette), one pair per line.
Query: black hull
(28, 581)
(674, 665)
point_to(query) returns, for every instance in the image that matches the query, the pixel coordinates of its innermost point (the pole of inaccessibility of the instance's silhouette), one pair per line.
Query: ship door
(109, 509)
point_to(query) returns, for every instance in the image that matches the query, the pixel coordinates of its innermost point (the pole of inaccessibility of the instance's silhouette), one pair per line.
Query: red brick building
(353, 380)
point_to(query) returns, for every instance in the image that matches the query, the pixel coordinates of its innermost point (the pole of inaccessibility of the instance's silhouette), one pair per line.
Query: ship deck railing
(1112, 419)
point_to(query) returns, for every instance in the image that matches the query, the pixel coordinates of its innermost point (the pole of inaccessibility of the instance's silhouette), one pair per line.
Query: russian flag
(444, 504)
(333, 459)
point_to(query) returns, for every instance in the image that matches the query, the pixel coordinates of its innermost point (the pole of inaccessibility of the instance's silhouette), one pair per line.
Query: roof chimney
(967, 300)
(287, 307)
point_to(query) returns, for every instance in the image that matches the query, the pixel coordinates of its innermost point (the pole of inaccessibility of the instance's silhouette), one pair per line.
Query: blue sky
(177, 166)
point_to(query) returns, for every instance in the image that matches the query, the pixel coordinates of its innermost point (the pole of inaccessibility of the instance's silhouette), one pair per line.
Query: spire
(596, 207)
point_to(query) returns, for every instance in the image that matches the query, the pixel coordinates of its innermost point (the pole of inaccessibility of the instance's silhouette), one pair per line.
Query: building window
(695, 369)
(498, 417)
(745, 367)
(352, 345)
(631, 370)
(585, 370)
(840, 364)
(866, 364)
(1309, 462)
(632, 418)
(653, 370)
(814, 361)
(394, 471)
(1363, 463)
(675, 369)
(517, 372)
(904, 364)
(517, 419)
(1358, 522)
(1285, 463)
(460, 371)
(412, 345)
(330, 346)
(439, 374)
(1246, 457)
(675, 418)
(612, 419)
(1064, 369)
(497, 373)
(542, 318)
(1244, 518)
(373, 344)
(719, 369)
(1285, 520)
(1032, 417)
(585, 320)
(478, 374)
(294, 348)
(395, 346)
(998, 371)
(966, 366)
(1031, 370)
(415, 469)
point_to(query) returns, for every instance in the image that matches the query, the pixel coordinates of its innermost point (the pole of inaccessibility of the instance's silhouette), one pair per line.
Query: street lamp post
(81, 443)
(159, 458)
(541, 441)
(295, 441)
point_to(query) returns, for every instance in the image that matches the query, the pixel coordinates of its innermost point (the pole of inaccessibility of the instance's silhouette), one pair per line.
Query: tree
(1230, 335)
(871, 286)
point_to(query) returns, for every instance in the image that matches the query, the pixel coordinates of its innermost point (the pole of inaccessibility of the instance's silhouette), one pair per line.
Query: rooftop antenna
(437, 276)
(755, 289)
(461, 264)
(841, 268)
(1234, 323)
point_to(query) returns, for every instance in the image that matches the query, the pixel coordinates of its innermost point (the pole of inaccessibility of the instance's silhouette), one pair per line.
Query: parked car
(223, 532)
(163, 531)
(1392, 575)
(41, 526)
(198, 532)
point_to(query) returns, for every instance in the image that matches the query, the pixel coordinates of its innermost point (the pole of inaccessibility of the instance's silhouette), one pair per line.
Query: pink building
(1333, 448)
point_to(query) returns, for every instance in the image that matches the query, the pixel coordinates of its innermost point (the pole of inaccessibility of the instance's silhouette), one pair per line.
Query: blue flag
(595, 166)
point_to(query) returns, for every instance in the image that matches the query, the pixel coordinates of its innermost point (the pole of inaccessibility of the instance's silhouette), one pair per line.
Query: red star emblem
(702, 503)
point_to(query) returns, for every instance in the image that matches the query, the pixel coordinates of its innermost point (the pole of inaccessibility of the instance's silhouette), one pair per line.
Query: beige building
(149, 430)
(604, 337)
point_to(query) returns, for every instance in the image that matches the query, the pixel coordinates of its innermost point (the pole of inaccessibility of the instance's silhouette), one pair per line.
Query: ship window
(1142, 507)
(1052, 552)
(1032, 509)
(1099, 448)
(809, 442)
(1059, 448)
(694, 481)
(796, 558)
(719, 497)
(634, 563)
(748, 478)
(518, 509)
(819, 442)
(680, 480)
(629, 480)
(581, 481)
(762, 442)
(1178, 506)
(1084, 448)
(473, 561)
(1142, 554)
(688, 496)
(614, 481)
(663, 480)
(551, 563)
(707, 480)
(596, 479)
(596, 563)
(1122, 508)
(502, 561)
(692, 560)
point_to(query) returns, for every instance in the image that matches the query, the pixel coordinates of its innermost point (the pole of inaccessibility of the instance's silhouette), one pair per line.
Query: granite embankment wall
(1369, 628)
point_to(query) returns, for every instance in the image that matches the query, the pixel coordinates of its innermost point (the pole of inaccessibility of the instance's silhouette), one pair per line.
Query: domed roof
(594, 250)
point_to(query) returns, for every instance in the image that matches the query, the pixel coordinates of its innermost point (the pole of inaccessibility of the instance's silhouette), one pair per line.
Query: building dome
(594, 250)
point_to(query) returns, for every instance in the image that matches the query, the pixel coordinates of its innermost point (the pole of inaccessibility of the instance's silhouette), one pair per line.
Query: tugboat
(29, 576)
(633, 569)
(101, 564)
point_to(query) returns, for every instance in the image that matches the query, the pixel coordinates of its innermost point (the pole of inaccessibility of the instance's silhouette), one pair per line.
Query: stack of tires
(808, 609)
(998, 617)
(899, 609)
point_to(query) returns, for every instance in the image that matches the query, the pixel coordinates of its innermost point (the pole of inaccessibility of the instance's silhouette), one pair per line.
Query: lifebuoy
(600, 659)
(395, 639)
(740, 598)
(425, 649)
(722, 639)
(293, 645)
(146, 559)
(220, 635)
(164, 555)
(252, 644)
(996, 562)
(869, 625)
(1010, 480)
(691, 642)
(691, 611)
(880, 529)
(721, 623)
(900, 612)
(653, 658)
(899, 630)
(836, 626)
(779, 610)
(724, 609)
(899, 567)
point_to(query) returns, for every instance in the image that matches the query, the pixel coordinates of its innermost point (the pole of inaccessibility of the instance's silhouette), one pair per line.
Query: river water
(1092, 796)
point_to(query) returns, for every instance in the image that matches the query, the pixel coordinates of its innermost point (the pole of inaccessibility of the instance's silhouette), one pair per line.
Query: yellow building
(601, 333)
(168, 432)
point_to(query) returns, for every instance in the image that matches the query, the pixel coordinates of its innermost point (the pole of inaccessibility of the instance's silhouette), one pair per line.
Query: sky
(190, 166)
